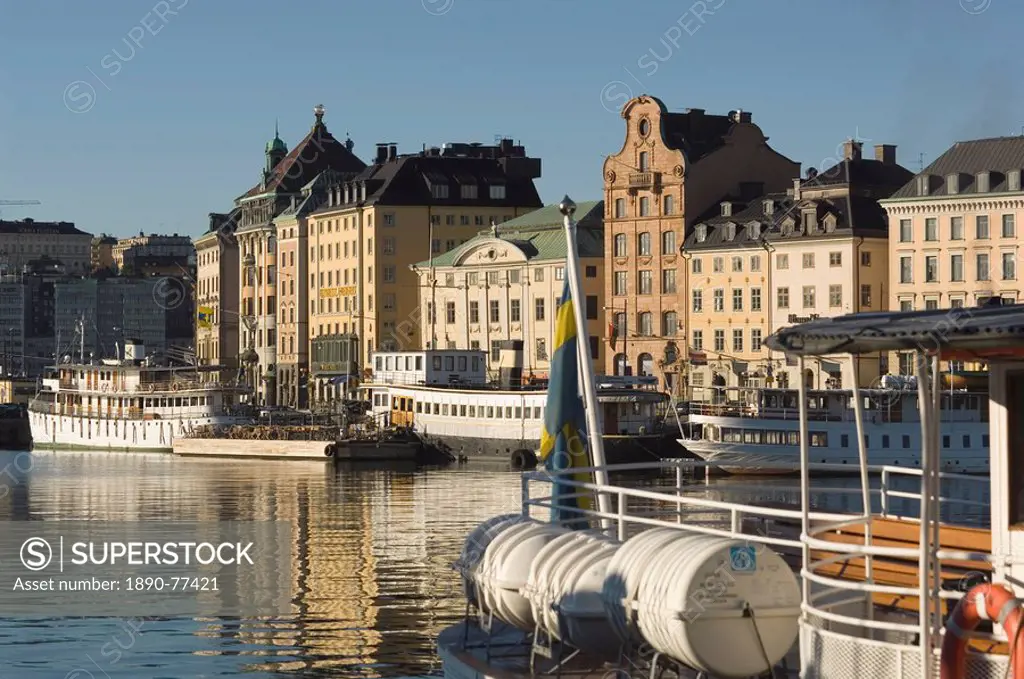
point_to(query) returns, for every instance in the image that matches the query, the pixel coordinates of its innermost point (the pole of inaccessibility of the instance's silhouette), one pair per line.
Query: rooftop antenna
(920, 162)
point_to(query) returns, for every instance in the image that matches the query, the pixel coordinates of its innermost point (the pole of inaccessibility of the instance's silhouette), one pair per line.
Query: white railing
(636, 509)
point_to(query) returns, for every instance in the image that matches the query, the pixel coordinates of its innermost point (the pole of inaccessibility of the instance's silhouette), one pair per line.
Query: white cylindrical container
(722, 606)
(505, 569)
(476, 546)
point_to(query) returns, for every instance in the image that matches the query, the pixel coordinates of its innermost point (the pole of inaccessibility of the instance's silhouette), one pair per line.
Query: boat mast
(81, 339)
(594, 429)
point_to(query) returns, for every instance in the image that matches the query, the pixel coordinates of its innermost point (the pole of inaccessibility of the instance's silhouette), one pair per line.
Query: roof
(968, 158)
(863, 172)
(539, 236)
(29, 225)
(979, 333)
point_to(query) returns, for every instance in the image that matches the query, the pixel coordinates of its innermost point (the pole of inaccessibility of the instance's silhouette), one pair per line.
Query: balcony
(644, 180)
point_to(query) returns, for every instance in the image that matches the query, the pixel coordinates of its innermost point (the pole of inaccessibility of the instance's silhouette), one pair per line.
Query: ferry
(129, 404)
(758, 429)
(445, 397)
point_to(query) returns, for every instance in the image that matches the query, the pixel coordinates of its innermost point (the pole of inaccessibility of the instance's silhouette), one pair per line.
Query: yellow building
(671, 169)
(955, 231)
(820, 249)
(217, 293)
(505, 283)
(363, 295)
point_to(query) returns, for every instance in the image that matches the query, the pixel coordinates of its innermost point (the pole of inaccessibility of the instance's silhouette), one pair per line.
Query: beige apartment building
(505, 284)
(27, 240)
(402, 209)
(672, 168)
(955, 231)
(819, 249)
(217, 294)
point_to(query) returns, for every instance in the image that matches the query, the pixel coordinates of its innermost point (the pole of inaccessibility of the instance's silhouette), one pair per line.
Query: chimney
(740, 116)
(726, 208)
(382, 153)
(796, 188)
(885, 153)
(851, 150)
(392, 151)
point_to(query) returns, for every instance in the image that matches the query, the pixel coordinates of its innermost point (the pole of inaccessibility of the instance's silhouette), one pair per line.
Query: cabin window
(885, 440)
(472, 411)
(444, 409)
(437, 362)
(419, 407)
(462, 364)
(945, 441)
(867, 441)
(967, 440)
(449, 363)
(819, 439)
(437, 409)
(906, 440)
(536, 413)
(490, 411)
(844, 440)
(519, 413)
(508, 412)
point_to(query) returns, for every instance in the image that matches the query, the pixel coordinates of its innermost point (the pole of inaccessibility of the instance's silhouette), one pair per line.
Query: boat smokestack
(510, 363)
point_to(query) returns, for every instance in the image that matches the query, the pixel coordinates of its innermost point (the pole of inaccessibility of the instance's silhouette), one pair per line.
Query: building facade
(14, 301)
(102, 253)
(955, 231)
(395, 213)
(671, 169)
(154, 254)
(24, 241)
(819, 249)
(505, 284)
(217, 315)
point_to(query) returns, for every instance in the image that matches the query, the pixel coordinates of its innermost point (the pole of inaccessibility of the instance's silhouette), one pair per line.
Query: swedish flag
(563, 442)
(205, 316)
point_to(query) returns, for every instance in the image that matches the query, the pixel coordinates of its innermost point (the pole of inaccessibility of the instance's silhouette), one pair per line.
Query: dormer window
(953, 184)
(726, 209)
(923, 187)
(830, 223)
(810, 222)
(702, 233)
(439, 191)
(468, 191)
(769, 207)
(754, 229)
(787, 226)
(1013, 180)
(982, 182)
(730, 232)
(497, 191)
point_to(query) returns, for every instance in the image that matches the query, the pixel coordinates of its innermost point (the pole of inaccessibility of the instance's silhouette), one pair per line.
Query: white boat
(757, 430)
(128, 404)
(444, 395)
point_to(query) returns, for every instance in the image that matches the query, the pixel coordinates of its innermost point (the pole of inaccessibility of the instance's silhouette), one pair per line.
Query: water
(372, 548)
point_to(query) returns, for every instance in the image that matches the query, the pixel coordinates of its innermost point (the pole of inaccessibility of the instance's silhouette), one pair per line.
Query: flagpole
(593, 414)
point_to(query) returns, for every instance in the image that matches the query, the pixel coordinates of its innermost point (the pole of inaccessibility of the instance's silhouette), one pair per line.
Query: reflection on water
(371, 549)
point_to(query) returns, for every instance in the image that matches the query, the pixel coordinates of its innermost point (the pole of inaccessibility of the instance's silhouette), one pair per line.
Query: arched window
(669, 205)
(646, 362)
(643, 244)
(645, 321)
(669, 324)
(668, 243)
(620, 364)
(620, 245)
(644, 161)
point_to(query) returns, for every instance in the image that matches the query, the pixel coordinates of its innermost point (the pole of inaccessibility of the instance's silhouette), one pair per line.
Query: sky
(136, 115)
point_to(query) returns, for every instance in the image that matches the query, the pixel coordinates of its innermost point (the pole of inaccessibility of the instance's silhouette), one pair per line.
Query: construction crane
(18, 202)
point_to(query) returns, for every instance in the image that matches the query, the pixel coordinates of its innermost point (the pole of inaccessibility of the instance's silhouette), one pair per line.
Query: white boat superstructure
(758, 430)
(128, 404)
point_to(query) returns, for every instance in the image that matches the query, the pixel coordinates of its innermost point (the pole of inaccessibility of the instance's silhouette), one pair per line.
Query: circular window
(645, 127)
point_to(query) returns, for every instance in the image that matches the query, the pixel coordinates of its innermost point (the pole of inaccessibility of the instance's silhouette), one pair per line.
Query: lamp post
(768, 301)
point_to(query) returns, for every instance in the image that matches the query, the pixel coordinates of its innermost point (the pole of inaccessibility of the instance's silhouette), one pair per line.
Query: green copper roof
(539, 234)
(276, 144)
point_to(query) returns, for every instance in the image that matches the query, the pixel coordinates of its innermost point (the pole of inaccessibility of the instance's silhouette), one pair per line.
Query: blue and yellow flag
(205, 316)
(563, 441)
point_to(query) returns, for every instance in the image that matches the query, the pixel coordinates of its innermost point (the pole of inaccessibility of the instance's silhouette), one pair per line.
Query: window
(906, 305)
(835, 295)
(644, 161)
(435, 245)
(906, 269)
(697, 266)
(669, 324)
(737, 299)
(669, 205)
(835, 259)
(645, 206)
(643, 244)
(590, 272)
(495, 311)
(782, 295)
(737, 340)
(619, 325)
(668, 281)
(931, 304)
(737, 264)
(620, 245)
(559, 273)
(981, 227)
(1009, 227)
(389, 219)
(388, 300)
(1009, 266)
(956, 267)
(538, 309)
(719, 340)
(718, 297)
(514, 311)
(495, 352)
(646, 323)
(644, 280)
(956, 228)
(668, 243)
(474, 312)
(698, 340)
(449, 245)
(755, 339)
(449, 312)
(755, 299)
(497, 191)
(538, 275)
(620, 208)
(906, 231)
(542, 349)
(389, 274)
(809, 291)
(755, 263)
(592, 307)
(468, 191)
(620, 283)
(717, 265)
(981, 265)
(931, 228)
(781, 261)
(698, 301)
(513, 276)
(492, 278)
(808, 260)
(931, 269)
(865, 259)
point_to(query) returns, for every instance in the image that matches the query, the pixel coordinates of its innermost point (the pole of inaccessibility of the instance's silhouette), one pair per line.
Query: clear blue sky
(176, 130)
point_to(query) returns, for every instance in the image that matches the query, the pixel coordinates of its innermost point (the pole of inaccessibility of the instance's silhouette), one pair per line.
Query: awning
(832, 368)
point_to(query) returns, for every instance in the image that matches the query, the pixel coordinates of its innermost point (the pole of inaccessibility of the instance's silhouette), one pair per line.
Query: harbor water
(371, 552)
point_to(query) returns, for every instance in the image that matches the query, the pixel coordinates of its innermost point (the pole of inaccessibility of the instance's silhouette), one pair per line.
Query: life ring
(175, 386)
(982, 602)
(330, 449)
(152, 388)
(523, 459)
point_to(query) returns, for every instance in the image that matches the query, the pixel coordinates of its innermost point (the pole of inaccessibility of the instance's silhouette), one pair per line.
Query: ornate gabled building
(759, 264)
(671, 169)
(396, 212)
(284, 175)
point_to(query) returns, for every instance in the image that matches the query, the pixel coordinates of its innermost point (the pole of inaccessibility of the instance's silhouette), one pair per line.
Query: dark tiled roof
(997, 156)
(983, 331)
(318, 151)
(695, 133)
(863, 172)
(32, 226)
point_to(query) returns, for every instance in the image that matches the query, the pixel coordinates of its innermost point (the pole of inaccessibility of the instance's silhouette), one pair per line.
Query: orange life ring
(982, 602)
(175, 386)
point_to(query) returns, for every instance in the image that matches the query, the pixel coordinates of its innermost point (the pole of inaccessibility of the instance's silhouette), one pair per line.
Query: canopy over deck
(980, 333)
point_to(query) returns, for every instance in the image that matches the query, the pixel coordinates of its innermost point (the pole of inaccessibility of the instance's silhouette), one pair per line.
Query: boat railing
(155, 387)
(774, 526)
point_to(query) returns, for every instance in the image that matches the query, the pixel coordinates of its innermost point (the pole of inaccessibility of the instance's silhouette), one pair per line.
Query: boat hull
(66, 432)
(618, 449)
